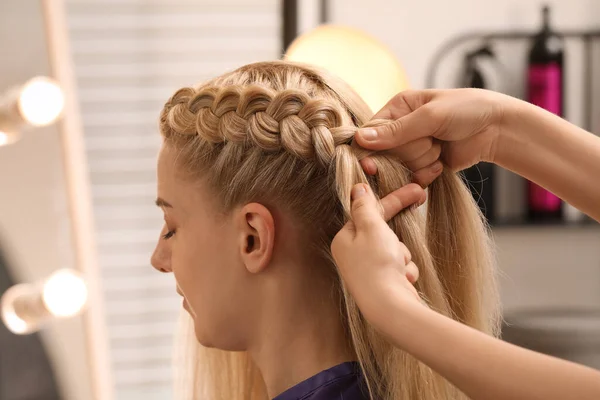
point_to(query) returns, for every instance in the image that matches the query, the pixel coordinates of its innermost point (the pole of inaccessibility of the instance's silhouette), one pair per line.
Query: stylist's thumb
(365, 211)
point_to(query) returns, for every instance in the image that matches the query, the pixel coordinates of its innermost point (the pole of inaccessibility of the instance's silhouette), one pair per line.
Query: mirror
(44, 200)
(126, 59)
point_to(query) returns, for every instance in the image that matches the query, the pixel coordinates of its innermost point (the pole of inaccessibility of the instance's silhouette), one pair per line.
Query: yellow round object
(364, 62)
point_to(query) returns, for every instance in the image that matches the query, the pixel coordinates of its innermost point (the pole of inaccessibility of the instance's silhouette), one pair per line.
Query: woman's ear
(256, 236)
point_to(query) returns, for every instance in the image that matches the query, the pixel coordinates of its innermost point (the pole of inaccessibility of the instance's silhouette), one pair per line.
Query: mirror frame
(79, 198)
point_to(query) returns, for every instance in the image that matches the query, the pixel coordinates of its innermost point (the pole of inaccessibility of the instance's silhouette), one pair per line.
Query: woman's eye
(168, 234)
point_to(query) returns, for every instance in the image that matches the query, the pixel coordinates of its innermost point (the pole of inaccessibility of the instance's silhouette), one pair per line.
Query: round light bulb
(4, 139)
(11, 320)
(41, 101)
(364, 62)
(64, 293)
(15, 324)
(8, 137)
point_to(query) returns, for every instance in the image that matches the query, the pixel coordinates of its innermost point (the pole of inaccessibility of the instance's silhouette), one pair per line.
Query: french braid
(289, 120)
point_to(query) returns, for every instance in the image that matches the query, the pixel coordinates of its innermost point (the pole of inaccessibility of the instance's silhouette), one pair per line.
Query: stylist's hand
(457, 126)
(375, 266)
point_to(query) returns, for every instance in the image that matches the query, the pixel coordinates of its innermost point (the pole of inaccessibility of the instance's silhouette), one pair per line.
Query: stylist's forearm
(555, 154)
(485, 368)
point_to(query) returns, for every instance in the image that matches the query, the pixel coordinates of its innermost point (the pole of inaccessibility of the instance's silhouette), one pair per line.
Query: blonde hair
(269, 131)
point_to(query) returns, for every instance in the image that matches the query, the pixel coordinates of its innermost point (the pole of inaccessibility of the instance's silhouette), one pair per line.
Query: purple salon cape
(342, 382)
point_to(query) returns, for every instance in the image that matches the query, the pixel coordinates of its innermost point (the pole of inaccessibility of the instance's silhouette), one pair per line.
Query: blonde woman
(255, 178)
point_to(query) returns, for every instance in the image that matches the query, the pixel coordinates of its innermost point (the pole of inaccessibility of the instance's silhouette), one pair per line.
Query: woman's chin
(204, 342)
(204, 337)
(220, 342)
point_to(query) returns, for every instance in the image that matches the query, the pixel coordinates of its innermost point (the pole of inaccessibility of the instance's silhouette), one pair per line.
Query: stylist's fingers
(418, 124)
(369, 166)
(426, 175)
(402, 198)
(405, 102)
(423, 176)
(416, 155)
(427, 158)
(365, 210)
(412, 150)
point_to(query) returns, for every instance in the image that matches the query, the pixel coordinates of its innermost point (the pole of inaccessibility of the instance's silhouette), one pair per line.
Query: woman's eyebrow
(162, 203)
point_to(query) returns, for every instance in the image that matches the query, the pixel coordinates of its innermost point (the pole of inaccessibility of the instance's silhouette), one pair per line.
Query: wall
(543, 266)
(414, 30)
(33, 216)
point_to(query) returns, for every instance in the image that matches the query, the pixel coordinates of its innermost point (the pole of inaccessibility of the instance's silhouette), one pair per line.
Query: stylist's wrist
(405, 322)
(511, 135)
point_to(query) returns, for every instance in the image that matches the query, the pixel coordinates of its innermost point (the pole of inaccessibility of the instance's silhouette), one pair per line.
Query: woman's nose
(161, 258)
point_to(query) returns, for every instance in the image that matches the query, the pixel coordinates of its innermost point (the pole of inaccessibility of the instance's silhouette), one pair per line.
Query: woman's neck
(300, 336)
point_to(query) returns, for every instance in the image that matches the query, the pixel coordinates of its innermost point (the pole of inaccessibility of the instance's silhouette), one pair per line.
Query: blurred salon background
(84, 316)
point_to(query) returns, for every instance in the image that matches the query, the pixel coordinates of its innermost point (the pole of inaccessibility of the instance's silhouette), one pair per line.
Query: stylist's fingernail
(358, 191)
(368, 166)
(368, 133)
(437, 167)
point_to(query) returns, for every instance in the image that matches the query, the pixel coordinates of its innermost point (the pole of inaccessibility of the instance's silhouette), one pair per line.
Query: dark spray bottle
(545, 88)
(480, 177)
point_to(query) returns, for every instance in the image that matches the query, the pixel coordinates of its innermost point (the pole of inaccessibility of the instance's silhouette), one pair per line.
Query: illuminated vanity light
(9, 137)
(9, 316)
(26, 307)
(4, 138)
(64, 293)
(41, 101)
